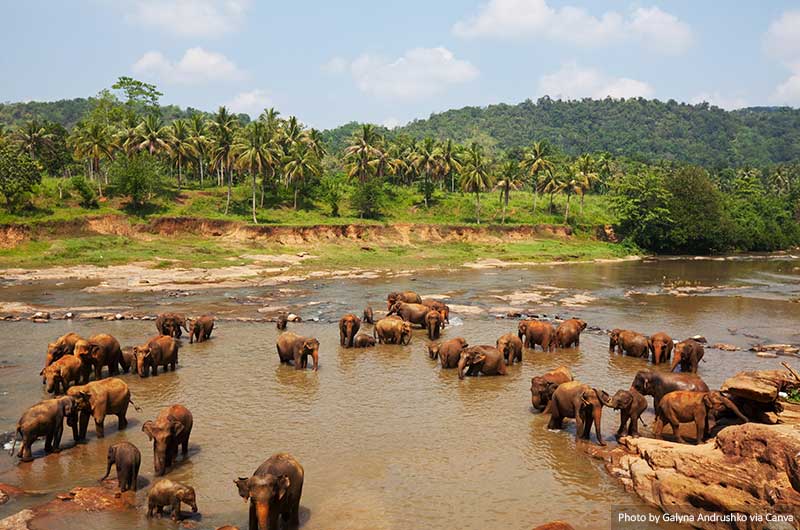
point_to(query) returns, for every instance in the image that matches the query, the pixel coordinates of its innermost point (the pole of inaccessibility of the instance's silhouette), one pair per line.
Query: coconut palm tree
(223, 129)
(313, 138)
(550, 183)
(475, 175)
(270, 117)
(362, 150)
(449, 162)
(253, 151)
(126, 136)
(199, 140)
(779, 180)
(427, 160)
(570, 183)
(299, 164)
(584, 175)
(34, 138)
(509, 171)
(152, 136)
(181, 147)
(92, 141)
(537, 160)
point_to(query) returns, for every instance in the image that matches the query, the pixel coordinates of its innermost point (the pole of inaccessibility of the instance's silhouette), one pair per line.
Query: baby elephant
(363, 340)
(127, 458)
(631, 404)
(683, 406)
(168, 493)
(281, 322)
(511, 346)
(296, 349)
(200, 328)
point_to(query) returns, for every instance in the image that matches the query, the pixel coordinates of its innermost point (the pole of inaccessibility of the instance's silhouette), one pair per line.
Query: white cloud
(419, 73)
(723, 101)
(252, 102)
(782, 41)
(575, 82)
(505, 19)
(197, 66)
(189, 18)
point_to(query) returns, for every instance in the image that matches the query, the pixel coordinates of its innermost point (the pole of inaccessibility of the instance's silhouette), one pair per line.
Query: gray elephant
(484, 359)
(582, 402)
(127, 458)
(630, 405)
(165, 492)
(44, 419)
(274, 492)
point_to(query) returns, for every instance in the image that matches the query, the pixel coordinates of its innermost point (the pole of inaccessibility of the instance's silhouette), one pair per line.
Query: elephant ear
(67, 407)
(707, 401)
(283, 486)
(147, 428)
(243, 487)
(602, 395)
(177, 427)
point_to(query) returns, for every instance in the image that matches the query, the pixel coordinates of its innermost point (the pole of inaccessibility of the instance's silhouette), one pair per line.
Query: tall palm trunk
(566, 211)
(180, 173)
(230, 185)
(295, 196)
(255, 221)
(582, 196)
(478, 207)
(200, 159)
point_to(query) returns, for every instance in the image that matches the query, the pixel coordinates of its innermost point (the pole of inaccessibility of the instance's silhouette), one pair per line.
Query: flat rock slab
(761, 386)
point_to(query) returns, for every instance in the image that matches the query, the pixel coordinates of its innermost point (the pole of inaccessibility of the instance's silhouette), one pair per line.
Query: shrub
(18, 175)
(368, 198)
(138, 177)
(88, 198)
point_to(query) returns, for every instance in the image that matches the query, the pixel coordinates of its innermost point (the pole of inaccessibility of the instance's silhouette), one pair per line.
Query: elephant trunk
(732, 406)
(462, 364)
(108, 469)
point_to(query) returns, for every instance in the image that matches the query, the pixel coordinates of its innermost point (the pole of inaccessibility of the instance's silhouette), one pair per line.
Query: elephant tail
(135, 406)
(643, 423)
(14, 441)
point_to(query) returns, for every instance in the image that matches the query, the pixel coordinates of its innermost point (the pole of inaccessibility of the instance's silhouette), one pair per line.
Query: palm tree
(427, 159)
(125, 139)
(449, 162)
(475, 176)
(313, 138)
(34, 138)
(181, 147)
(152, 136)
(570, 184)
(198, 138)
(779, 180)
(92, 141)
(270, 117)
(537, 160)
(362, 150)
(223, 128)
(510, 181)
(299, 164)
(584, 175)
(550, 183)
(252, 151)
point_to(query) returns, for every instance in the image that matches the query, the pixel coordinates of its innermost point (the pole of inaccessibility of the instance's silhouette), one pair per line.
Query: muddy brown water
(388, 439)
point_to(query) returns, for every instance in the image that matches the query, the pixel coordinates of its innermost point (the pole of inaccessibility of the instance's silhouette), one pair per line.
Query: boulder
(762, 386)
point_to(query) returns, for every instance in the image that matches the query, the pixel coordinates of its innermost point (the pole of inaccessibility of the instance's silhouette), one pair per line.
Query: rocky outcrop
(750, 469)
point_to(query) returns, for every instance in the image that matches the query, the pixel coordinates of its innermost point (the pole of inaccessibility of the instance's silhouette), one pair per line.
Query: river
(387, 438)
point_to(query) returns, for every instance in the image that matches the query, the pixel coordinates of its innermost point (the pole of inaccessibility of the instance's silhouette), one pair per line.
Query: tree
(333, 188)
(570, 184)
(136, 177)
(426, 159)
(537, 160)
(18, 175)
(300, 164)
(152, 136)
(94, 142)
(641, 200)
(223, 128)
(252, 151)
(34, 137)
(550, 183)
(198, 138)
(584, 175)
(362, 150)
(56, 157)
(139, 95)
(449, 161)
(181, 147)
(509, 171)
(475, 177)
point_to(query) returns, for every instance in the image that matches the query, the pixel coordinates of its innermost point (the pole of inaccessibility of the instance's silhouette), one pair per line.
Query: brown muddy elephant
(158, 351)
(441, 307)
(629, 343)
(685, 406)
(511, 347)
(630, 405)
(660, 345)
(484, 359)
(414, 313)
(448, 351)
(281, 322)
(166, 492)
(543, 386)
(274, 492)
(200, 328)
(295, 349)
(687, 355)
(582, 402)
(348, 328)
(363, 340)
(61, 374)
(392, 331)
(44, 419)
(127, 458)
(64, 345)
(368, 316)
(170, 429)
(99, 351)
(658, 384)
(434, 322)
(99, 399)
(170, 324)
(568, 333)
(406, 296)
(536, 332)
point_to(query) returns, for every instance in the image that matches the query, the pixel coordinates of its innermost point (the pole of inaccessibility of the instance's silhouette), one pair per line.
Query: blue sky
(391, 61)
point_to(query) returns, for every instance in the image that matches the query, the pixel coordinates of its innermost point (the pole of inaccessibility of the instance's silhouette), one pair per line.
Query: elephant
(688, 354)
(62, 373)
(348, 328)
(448, 352)
(543, 386)
(657, 384)
(200, 328)
(44, 419)
(484, 359)
(127, 458)
(660, 345)
(683, 406)
(511, 347)
(368, 316)
(281, 322)
(568, 333)
(99, 399)
(629, 343)
(406, 296)
(170, 324)
(64, 345)
(171, 428)
(296, 349)
(414, 313)
(158, 351)
(392, 331)
(99, 351)
(631, 404)
(533, 332)
(274, 492)
(434, 322)
(443, 308)
(363, 340)
(582, 402)
(165, 492)
(130, 360)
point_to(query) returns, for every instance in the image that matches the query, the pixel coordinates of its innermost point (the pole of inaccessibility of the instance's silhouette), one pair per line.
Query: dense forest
(666, 186)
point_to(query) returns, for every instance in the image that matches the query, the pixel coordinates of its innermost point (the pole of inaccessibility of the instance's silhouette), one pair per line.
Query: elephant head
(368, 315)
(622, 400)
(522, 329)
(541, 392)
(591, 402)
(681, 354)
(53, 378)
(143, 356)
(66, 405)
(264, 492)
(54, 351)
(311, 347)
(613, 340)
(394, 308)
(186, 495)
(405, 333)
(163, 434)
(716, 403)
(642, 382)
(83, 351)
(433, 351)
(468, 359)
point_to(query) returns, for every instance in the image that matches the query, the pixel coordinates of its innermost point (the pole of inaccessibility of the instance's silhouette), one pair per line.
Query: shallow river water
(387, 438)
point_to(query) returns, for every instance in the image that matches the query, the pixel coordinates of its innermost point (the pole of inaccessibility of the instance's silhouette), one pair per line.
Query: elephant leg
(48, 442)
(123, 478)
(658, 428)
(294, 514)
(25, 452)
(57, 437)
(99, 427)
(176, 509)
(579, 426)
(154, 369)
(555, 421)
(675, 424)
(185, 446)
(633, 428)
(701, 426)
(122, 420)
(253, 522)
(135, 477)
(623, 420)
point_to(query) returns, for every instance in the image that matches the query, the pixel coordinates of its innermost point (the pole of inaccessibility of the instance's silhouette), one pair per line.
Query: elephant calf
(127, 458)
(631, 404)
(200, 328)
(688, 354)
(628, 343)
(486, 360)
(171, 428)
(434, 322)
(168, 493)
(543, 386)
(448, 351)
(687, 406)
(348, 328)
(363, 340)
(392, 330)
(45, 419)
(579, 401)
(369, 316)
(296, 349)
(159, 351)
(511, 346)
(62, 373)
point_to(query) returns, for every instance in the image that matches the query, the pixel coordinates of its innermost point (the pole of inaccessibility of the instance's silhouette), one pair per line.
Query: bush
(88, 198)
(138, 177)
(368, 198)
(332, 192)
(18, 175)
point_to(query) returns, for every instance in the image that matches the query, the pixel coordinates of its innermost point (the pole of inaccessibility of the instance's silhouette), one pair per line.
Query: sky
(391, 61)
